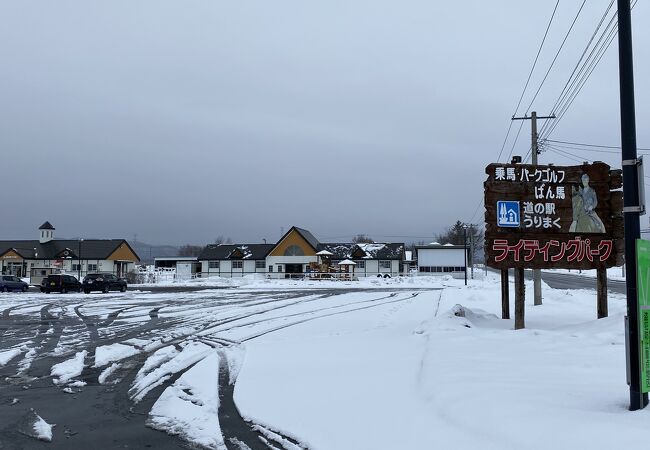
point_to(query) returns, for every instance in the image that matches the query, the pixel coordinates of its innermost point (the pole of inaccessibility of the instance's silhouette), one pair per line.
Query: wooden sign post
(543, 217)
(505, 295)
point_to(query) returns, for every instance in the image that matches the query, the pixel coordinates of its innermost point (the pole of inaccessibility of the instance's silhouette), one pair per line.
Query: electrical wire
(567, 155)
(530, 74)
(582, 144)
(584, 149)
(571, 80)
(515, 141)
(523, 92)
(556, 55)
(568, 96)
(583, 80)
(480, 203)
(548, 71)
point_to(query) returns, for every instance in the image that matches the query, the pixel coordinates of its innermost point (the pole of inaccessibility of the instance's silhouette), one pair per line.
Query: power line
(568, 101)
(523, 92)
(575, 86)
(567, 155)
(476, 210)
(585, 149)
(537, 57)
(557, 54)
(515, 141)
(582, 144)
(569, 80)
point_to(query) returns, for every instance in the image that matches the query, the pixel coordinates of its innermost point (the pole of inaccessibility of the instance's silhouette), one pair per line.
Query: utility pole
(631, 206)
(465, 249)
(471, 248)
(534, 151)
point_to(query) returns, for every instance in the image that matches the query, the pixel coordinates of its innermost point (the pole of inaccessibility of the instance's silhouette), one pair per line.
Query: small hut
(324, 259)
(347, 269)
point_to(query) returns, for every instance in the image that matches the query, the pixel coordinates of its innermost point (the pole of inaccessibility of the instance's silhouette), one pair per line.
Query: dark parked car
(103, 282)
(60, 283)
(12, 283)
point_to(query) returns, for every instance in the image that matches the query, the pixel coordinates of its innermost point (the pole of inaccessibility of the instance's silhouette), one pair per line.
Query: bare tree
(222, 240)
(362, 239)
(456, 235)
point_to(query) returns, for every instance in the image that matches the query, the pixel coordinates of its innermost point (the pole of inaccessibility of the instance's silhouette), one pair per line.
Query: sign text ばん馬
(553, 216)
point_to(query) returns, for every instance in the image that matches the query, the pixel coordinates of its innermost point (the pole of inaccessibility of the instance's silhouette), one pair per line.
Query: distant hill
(148, 252)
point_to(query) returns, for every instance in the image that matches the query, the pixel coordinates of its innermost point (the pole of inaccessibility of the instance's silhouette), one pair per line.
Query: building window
(384, 264)
(270, 268)
(92, 267)
(438, 269)
(361, 264)
(259, 264)
(213, 264)
(279, 267)
(76, 267)
(294, 250)
(237, 264)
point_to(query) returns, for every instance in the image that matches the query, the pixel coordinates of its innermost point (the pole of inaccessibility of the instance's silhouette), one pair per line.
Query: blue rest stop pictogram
(508, 214)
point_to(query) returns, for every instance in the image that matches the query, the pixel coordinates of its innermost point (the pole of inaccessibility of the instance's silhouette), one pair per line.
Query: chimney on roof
(46, 233)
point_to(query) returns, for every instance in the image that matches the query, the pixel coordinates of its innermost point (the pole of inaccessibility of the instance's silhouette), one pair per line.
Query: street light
(465, 249)
(79, 266)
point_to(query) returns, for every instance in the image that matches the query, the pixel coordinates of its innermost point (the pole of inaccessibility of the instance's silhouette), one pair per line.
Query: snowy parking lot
(380, 364)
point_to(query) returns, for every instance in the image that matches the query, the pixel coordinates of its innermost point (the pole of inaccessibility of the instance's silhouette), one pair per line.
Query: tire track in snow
(183, 322)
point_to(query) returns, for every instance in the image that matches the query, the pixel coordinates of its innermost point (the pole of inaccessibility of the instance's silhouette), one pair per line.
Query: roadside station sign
(548, 216)
(643, 294)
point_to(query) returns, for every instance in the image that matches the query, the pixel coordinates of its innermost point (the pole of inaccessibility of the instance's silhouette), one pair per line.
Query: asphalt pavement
(97, 405)
(573, 281)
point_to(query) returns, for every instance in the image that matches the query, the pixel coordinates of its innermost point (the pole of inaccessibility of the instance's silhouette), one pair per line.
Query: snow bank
(8, 355)
(190, 406)
(259, 281)
(173, 362)
(69, 368)
(447, 372)
(35, 426)
(114, 352)
(42, 430)
(106, 373)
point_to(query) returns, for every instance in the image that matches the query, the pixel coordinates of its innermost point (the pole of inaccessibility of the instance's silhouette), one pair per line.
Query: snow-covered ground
(385, 364)
(260, 282)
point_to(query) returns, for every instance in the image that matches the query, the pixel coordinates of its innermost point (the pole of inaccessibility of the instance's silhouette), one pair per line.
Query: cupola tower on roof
(46, 233)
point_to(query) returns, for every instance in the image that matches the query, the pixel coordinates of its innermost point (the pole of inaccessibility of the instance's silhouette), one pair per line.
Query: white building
(298, 253)
(436, 258)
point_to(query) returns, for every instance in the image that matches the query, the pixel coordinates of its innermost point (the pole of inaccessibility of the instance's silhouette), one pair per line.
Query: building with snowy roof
(297, 253)
(37, 258)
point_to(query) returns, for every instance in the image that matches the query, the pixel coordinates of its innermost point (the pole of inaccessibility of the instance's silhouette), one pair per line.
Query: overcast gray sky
(183, 121)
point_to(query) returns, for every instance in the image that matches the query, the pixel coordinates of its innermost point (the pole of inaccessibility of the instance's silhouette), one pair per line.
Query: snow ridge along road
(112, 370)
